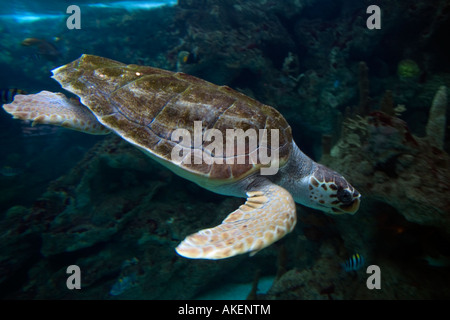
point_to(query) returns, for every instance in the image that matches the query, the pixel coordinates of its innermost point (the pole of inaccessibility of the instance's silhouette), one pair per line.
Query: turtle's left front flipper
(268, 215)
(55, 108)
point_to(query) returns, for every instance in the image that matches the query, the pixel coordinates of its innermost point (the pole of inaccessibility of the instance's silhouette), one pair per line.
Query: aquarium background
(370, 104)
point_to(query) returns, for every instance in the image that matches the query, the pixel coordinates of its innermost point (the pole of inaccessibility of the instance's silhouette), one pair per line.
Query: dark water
(359, 100)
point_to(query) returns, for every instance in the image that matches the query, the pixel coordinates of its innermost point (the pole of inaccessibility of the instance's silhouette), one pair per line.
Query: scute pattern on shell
(145, 105)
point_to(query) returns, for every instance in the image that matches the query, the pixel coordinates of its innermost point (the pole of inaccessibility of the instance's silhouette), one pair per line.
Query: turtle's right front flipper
(268, 215)
(55, 108)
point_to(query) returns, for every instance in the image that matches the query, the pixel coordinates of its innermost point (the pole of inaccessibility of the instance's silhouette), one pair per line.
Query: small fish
(45, 48)
(186, 57)
(7, 95)
(28, 42)
(355, 262)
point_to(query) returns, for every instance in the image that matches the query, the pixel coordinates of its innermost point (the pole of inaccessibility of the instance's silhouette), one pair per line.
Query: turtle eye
(344, 196)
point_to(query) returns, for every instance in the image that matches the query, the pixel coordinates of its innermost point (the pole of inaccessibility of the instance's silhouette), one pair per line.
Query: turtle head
(330, 192)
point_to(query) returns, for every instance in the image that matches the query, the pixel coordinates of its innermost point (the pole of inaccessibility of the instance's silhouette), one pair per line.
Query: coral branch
(435, 129)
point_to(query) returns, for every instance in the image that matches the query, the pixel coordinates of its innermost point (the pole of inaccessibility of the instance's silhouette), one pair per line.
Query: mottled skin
(144, 105)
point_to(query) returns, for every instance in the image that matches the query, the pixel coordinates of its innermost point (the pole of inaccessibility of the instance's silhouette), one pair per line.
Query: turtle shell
(145, 105)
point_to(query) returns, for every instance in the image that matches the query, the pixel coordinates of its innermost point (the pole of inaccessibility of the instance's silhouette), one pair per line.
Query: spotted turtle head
(331, 193)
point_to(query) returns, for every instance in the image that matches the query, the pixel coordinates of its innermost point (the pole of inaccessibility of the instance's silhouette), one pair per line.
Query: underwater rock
(389, 164)
(212, 31)
(396, 254)
(264, 65)
(115, 205)
(324, 280)
(19, 245)
(98, 198)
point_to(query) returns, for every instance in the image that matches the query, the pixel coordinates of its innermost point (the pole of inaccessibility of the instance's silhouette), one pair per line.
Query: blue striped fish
(355, 262)
(7, 95)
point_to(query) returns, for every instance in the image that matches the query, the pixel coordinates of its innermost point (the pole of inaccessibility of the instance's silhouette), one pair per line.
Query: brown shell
(145, 105)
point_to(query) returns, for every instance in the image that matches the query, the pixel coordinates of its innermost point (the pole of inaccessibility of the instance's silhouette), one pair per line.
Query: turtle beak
(346, 205)
(352, 207)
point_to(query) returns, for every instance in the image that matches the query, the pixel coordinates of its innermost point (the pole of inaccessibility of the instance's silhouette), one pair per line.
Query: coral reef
(403, 225)
(435, 128)
(326, 280)
(115, 205)
(392, 165)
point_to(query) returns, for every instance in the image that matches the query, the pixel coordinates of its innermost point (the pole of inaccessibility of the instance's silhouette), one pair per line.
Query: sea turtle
(146, 105)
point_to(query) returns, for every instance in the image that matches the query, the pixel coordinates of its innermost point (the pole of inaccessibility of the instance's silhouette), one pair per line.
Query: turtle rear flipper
(268, 215)
(55, 108)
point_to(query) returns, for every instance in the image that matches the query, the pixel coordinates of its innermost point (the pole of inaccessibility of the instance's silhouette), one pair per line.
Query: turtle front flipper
(268, 215)
(55, 108)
